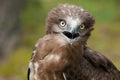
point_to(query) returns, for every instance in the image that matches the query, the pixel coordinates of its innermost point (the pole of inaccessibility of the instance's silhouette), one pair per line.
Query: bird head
(73, 22)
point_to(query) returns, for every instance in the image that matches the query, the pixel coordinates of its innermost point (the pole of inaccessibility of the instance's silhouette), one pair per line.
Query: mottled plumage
(62, 53)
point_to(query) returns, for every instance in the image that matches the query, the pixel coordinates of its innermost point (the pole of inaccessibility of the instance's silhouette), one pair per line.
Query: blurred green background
(105, 38)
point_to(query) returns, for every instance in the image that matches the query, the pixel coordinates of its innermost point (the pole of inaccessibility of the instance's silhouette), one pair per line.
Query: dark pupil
(62, 23)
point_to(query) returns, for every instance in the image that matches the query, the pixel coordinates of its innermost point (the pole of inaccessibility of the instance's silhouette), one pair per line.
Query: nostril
(70, 35)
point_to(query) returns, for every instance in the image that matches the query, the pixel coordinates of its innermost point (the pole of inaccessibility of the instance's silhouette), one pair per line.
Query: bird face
(72, 29)
(73, 22)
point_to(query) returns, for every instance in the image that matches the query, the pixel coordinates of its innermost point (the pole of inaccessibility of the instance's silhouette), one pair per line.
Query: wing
(37, 55)
(98, 60)
(104, 69)
(37, 65)
(93, 66)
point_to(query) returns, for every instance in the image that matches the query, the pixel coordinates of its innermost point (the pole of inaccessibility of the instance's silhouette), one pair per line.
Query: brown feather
(55, 58)
(53, 55)
(65, 10)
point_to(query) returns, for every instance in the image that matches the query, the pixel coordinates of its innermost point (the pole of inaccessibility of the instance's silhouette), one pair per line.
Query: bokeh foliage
(105, 38)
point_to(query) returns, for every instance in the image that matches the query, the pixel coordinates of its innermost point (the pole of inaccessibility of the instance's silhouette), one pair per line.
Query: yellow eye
(62, 23)
(82, 26)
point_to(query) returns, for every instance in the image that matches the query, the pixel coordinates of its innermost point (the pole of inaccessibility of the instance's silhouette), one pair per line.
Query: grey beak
(71, 35)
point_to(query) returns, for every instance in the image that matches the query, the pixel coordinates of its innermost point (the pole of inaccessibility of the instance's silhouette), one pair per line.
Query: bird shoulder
(98, 60)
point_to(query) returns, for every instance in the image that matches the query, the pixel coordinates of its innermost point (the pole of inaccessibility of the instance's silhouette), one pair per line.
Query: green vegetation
(105, 38)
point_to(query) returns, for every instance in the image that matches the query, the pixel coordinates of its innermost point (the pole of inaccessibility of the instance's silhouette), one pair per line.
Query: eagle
(62, 54)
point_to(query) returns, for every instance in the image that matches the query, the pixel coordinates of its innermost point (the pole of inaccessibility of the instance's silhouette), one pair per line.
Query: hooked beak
(72, 34)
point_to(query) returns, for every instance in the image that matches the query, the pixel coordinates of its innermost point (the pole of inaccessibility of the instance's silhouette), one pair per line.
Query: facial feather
(64, 11)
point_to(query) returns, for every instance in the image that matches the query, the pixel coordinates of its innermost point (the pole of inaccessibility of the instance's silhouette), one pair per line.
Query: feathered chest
(57, 54)
(53, 56)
